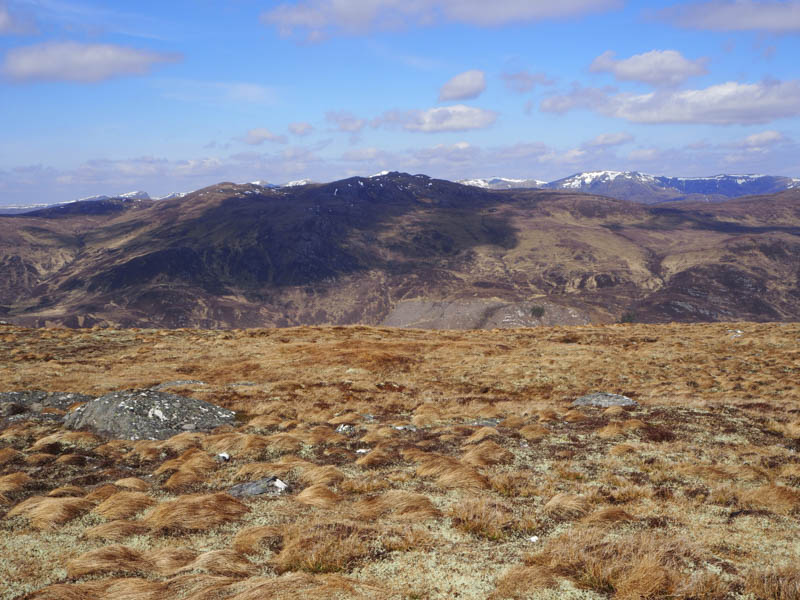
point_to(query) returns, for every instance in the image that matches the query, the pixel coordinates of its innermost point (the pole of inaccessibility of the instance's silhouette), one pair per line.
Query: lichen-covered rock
(147, 415)
(267, 485)
(604, 400)
(35, 400)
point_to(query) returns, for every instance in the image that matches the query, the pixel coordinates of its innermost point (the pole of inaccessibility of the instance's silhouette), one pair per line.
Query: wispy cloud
(317, 19)
(775, 16)
(447, 118)
(83, 63)
(259, 135)
(606, 140)
(722, 104)
(524, 81)
(464, 86)
(301, 128)
(657, 67)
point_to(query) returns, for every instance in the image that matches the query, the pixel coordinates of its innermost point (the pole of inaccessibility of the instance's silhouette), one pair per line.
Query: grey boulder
(604, 400)
(147, 415)
(268, 485)
(35, 400)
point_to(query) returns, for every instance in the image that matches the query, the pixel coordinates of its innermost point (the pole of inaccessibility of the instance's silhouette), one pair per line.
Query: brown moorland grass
(697, 489)
(123, 505)
(48, 513)
(115, 531)
(318, 495)
(196, 512)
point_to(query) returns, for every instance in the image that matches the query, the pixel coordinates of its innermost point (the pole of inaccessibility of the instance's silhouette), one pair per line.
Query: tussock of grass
(482, 517)
(196, 512)
(67, 491)
(519, 582)
(324, 547)
(132, 483)
(251, 540)
(637, 565)
(227, 563)
(14, 482)
(487, 453)
(114, 531)
(9, 456)
(400, 504)
(110, 559)
(774, 583)
(563, 507)
(377, 457)
(48, 513)
(319, 496)
(123, 505)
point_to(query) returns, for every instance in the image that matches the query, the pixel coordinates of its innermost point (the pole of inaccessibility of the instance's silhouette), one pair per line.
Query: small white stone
(362, 450)
(533, 539)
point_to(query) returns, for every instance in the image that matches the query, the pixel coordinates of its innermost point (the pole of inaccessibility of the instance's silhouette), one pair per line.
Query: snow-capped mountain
(297, 183)
(503, 183)
(650, 189)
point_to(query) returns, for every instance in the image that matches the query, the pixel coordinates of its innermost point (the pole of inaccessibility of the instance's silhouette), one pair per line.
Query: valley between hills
(399, 250)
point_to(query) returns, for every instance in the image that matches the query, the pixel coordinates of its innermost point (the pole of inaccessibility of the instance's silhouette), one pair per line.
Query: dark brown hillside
(401, 249)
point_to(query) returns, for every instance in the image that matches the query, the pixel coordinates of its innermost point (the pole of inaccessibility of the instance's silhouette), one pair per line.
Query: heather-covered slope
(408, 250)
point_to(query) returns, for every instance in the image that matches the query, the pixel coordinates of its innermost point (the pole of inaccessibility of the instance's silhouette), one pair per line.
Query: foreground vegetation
(421, 464)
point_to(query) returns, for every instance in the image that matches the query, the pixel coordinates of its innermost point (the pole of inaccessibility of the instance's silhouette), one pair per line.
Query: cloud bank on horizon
(175, 96)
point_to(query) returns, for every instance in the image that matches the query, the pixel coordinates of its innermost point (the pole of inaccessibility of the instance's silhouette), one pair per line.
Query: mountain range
(630, 185)
(399, 249)
(651, 189)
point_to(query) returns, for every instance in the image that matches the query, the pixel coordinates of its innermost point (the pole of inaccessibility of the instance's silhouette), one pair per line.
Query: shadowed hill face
(383, 248)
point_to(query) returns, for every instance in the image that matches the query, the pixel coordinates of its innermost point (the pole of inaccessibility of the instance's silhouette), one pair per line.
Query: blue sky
(104, 98)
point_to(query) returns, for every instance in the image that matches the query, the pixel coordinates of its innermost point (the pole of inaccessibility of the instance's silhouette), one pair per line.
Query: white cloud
(605, 140)
(84, 63)
(524, 81)
(577, 97)
(319, 18)
(740, 15)
(464, 86)
(447, 118)
(345, 121)
(259, 135)
(301, 128)
(762, 139)
(657, 67)
(723, 104)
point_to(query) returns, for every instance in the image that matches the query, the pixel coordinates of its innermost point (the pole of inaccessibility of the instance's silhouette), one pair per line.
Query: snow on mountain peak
(137, 195)
(381, 174)
(297, 183)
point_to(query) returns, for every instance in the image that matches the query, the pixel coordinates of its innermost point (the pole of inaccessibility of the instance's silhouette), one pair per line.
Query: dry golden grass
(318, 495)
(196, 512)
(14, 482)
(123, 505)
(114, 531)
(251, 540)
(325, 547)
(48, 513)
(66, 491)
(485, 454)
(564, 507)
(693, 495)
(400, 504)
(774, 583)
(109, 559)
(483, 517)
